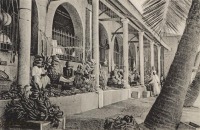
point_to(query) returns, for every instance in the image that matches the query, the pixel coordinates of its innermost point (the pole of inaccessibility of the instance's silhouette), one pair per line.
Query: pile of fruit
(33, 105)
(121, 123)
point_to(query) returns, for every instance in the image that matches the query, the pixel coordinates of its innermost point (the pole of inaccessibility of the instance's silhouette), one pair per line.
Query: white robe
(156, 84)
(42, 81)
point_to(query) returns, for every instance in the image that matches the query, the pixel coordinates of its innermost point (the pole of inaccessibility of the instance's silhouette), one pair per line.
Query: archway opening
(118, 52)
(103, 45)
(131, 58)
(68, 33)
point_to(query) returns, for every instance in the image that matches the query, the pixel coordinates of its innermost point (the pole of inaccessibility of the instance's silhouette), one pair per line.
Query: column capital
(152, 42)
(159, 47)
(141, 32)
(125, 20)
(136, 43)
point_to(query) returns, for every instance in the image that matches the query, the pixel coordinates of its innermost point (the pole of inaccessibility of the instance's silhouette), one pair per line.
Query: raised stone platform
(139, 92)
(37, 125)
(80, 103)
(76, 103)
(113, 96)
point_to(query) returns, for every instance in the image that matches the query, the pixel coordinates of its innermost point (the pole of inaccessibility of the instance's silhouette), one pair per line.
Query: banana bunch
(14, 111)
(122, 123)
(11, 94)
(35, 107)
(54, 114)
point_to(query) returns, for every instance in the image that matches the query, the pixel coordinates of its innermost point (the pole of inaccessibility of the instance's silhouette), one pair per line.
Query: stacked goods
(5, 19)
(121, 123)
(32, 105)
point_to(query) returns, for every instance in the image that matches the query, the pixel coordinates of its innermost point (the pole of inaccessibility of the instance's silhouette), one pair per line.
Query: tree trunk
(167, 110)
(193, 91)
(194, 87)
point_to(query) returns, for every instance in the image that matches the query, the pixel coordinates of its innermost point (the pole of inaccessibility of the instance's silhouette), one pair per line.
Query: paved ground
(138, 108)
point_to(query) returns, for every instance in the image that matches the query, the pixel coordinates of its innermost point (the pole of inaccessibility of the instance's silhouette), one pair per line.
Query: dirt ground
(139, 108)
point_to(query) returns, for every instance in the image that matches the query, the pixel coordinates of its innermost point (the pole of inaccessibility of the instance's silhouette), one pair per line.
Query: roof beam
(115, 33)
(133, 41)
(110, 19)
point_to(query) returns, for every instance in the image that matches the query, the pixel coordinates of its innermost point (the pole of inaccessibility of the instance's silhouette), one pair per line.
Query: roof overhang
(124, 9)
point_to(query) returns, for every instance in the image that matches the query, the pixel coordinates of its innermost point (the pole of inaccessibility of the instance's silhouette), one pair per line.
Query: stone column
(159, 64)
(110, 56)
(25, 42)
(136, 57)
(95, 39)
(141, 48)
(125, 52)
(152, 53)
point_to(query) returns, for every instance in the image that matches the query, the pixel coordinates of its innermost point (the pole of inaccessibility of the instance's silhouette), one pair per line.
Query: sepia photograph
(99, 64)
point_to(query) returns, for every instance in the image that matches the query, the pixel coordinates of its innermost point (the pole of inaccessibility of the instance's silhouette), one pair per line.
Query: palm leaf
(165, 15)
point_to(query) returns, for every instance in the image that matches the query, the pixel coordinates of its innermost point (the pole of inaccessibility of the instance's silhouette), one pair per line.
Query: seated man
(39, 73)
(137, 77)
(116, 78)
(55, 74)
(131, 78)
(68, 71)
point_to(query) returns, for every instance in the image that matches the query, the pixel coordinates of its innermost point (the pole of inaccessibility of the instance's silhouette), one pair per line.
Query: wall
(11, 68)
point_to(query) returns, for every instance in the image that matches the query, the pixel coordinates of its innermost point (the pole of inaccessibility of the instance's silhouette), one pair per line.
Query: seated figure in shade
(55, 73)
(116, 78)
(137, 77)
(39, 74)
(68, 71)
(131, 77)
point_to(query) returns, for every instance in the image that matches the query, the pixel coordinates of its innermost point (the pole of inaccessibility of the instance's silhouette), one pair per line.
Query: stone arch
(118, 50)
(103, 45)
(119, 40)
(131, 56)
(77, 23)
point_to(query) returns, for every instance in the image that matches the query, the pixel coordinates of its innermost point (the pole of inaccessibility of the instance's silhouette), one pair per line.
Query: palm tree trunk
(167, 110)
(194, 87)
(193, 91)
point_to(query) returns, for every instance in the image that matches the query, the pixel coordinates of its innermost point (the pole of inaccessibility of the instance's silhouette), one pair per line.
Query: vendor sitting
(116, 78)
(39, 74)
(68, 71)
(55, 73)
(137, 77)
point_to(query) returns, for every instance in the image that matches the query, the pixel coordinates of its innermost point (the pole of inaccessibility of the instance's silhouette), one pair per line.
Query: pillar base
(98, 89)
(100, 96)
(143, 87)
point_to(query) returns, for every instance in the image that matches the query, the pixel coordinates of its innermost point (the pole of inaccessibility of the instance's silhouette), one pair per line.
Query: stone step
(140, 94)
(38, 125)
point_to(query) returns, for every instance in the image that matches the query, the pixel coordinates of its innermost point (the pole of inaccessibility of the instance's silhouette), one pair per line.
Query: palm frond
(165, 15)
